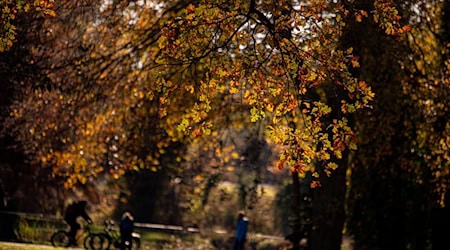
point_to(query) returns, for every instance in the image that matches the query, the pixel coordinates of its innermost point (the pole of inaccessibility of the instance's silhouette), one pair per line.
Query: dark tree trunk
(295, 220)
(328, 212)
(389, 208)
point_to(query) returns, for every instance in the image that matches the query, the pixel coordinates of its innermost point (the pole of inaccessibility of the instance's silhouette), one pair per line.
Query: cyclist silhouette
(73, 211)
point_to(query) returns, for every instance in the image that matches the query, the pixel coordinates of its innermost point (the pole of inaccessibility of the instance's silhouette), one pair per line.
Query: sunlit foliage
(9, 11)
(139, 74)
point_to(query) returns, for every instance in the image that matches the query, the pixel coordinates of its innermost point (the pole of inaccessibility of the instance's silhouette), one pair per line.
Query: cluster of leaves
(388, 18)
(10, 9)
(127, 80)
(275, 59)
(428, 88)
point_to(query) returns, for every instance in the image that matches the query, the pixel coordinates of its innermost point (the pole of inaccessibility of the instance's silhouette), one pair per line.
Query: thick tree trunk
(328, 201)
(295, 220)
(328, 211)
(388, 205)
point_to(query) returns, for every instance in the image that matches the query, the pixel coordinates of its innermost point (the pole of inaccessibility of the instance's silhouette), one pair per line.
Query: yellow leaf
(234, 90)
(362, 84)
(355, 64)
(189, 88)
(190, 8)
(332, 166)
(338, 154)
(103, 75)
(312, 76)
(198, 178)
(269, 107)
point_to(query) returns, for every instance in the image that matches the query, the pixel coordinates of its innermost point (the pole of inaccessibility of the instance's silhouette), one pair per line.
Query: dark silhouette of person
(241, 232)
(126, 230)
(73, 211)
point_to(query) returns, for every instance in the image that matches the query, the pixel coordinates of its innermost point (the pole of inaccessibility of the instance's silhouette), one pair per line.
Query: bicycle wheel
(87, 241)
(95, 242)
(106, 240)
(136, 243)
(60, 239)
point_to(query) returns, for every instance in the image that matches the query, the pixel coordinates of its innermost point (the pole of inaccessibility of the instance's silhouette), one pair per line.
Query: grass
(37, 234)
(24, 246)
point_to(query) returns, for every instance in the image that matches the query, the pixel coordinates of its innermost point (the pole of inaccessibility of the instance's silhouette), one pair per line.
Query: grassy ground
(38, 234)
(160, 242)
(23, 246)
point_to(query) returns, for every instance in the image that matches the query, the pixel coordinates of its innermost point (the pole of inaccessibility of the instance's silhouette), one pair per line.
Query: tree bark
(328, 213)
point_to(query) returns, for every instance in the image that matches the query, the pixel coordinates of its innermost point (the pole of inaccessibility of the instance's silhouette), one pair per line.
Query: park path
(16, 245)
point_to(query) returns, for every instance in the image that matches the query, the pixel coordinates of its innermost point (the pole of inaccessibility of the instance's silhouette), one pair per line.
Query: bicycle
(112, 237)
(92, 241)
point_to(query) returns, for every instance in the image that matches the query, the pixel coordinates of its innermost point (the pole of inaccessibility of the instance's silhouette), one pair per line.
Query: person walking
(126, 230)
(241, 232)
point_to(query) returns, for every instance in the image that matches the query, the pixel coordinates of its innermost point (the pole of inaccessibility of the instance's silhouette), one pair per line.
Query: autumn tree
(96, 109)
(128, 81)
(286, 76)
(16, 67)
(122, 70)
(403, 138)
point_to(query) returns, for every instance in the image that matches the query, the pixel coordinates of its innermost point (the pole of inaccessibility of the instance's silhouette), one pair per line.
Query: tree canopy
(120, 70)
